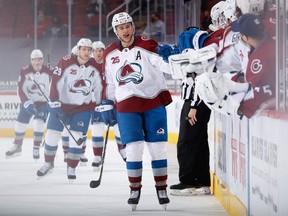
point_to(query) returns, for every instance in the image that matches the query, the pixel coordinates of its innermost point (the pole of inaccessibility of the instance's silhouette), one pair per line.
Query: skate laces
(83, 156)
(35, 151)
(45, 167)
(97, 159)
(71, 171)
(162, 193)
(134, 194)
(14, 148)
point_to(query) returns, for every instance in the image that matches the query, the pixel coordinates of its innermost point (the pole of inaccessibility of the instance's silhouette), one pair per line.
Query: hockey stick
(96, 183)
(80, 140)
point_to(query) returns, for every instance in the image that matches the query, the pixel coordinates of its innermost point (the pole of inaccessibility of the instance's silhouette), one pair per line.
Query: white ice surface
(22, 194)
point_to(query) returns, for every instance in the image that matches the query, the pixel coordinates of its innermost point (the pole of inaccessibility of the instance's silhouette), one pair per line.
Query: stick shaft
(96, 183)
(78, 142)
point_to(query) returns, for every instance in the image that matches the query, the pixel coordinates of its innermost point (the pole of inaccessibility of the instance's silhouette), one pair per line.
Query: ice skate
(134, 199)
(45, 169)
(187, 192)
(181, 189)
(71, 174)
(83, 160)
(203, 191)
(36, 153)
(163, 198)
(14, 151)
(97, 162)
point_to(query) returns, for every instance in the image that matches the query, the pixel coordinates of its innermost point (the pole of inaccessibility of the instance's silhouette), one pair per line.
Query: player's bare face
(98, 54)
(125, 33)
(84, 53)
(37, 63)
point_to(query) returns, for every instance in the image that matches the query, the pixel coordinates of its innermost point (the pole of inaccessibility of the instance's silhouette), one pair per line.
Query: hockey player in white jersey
(137, 86)
(65, 133)
(71, 102)
(231, 60)
(97, 124)
(32, 103)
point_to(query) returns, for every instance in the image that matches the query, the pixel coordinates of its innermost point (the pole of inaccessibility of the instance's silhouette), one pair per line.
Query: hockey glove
(166, 50)
(30, 107)
(96, 116)
(55, 108)
(108, 112)
(192, 38)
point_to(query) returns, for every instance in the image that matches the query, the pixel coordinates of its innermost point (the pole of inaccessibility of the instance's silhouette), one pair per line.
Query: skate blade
(83, 163)
(164, 206)
(13, 156)
(188, 192)
(202, 192)
(71, 181)
(184, 192)
(96, 169)
(133, 206)
(48, 173)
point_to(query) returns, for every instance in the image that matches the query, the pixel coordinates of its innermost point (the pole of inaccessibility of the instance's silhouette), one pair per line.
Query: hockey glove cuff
(30, 107)
(96, 116)
(55, 108)
(192, 38)
(108, 112)
(166, 50)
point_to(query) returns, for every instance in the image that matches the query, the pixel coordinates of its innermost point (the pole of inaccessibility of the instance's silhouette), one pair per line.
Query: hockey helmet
(84, 42)
(121, 18)
(229, 11)
(216, 15)
(36, 53)
(98, 44)
(74, 50)
(251, 6)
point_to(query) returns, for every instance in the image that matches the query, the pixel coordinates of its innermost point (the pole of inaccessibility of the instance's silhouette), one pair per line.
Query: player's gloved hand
(166, 50)
(108, 112)
(96, 116)
(249, 94)
(188, 68)
(192, 38)
(55, 108)
(30, 107)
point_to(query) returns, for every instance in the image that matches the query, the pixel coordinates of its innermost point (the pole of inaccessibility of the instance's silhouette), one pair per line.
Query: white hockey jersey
(232, 53)
(28, 90)
(77, 86)
(134, 76)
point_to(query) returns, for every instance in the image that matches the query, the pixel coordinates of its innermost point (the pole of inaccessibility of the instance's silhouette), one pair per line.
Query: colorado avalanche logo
(129, 73)
(33, 89)
(81, 86)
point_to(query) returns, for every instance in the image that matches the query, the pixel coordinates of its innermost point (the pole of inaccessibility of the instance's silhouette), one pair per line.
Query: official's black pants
(192, 147)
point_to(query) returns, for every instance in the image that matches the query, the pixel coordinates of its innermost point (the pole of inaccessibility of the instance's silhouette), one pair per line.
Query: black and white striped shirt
(188, 91)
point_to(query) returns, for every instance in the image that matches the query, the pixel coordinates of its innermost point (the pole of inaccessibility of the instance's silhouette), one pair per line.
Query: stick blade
(79, 141)
(94, 184)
